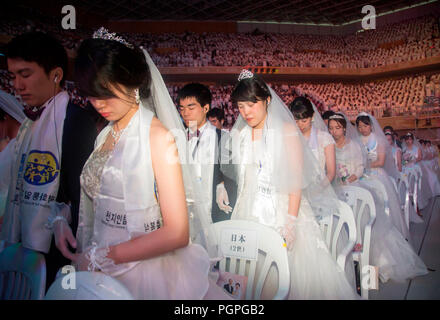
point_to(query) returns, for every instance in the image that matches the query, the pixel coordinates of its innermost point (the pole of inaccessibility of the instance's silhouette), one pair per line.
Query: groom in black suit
(229, 287)
(205, 143)
(38, 65)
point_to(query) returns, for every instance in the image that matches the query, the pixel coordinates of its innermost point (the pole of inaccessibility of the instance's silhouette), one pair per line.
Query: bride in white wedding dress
(389, 250)
(134, 222)
(380, 165)
(281, 186)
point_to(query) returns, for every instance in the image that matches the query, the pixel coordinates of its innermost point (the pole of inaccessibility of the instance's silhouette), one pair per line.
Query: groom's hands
(64, 236)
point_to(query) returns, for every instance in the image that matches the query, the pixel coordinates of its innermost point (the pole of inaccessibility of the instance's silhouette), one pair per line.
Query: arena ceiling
(334, 12)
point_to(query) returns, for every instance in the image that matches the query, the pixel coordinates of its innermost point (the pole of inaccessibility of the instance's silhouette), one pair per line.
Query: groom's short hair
(41, 48)
(197, 91)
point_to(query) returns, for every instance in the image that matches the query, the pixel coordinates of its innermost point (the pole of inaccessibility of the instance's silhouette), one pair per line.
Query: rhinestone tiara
(337, 116)
(102, 33)
(362, 114)
(245, 74)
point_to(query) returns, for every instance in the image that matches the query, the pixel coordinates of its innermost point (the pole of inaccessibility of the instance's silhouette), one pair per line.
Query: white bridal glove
(95, 259)
(222, 198)
(58, 221)
(288, 231)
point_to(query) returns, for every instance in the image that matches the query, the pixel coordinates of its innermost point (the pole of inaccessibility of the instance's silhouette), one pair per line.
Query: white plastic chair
(378, 186)
(87, 286)
(359, 199)
(414, 179)
(394, 183)
(419, 177)
(22, 274)
(331, 228)
(270, 244)
(403, 192)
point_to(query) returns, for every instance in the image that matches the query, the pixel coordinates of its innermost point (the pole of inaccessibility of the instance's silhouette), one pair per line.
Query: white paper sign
(239, 243)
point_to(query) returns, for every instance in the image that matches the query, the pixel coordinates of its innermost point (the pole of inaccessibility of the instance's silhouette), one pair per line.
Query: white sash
(35, 177)
(129, 165)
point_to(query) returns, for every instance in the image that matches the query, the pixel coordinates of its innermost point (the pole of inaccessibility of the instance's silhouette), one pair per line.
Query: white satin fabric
(126, 207)
(389, 250)
(425, 193)
(396, 214)
(433, 179)
(35, 157)
(314, 273)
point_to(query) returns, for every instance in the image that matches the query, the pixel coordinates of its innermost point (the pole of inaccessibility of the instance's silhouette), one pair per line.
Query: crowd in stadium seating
(407, 41)
(404, 41)
(391, 97)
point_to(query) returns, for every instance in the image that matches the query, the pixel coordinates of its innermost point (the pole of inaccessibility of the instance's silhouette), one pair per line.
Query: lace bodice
(349, 161)
(92, 172)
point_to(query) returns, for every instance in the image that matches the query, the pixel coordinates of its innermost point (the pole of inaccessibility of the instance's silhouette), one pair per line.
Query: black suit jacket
(228, 288)
(230, 185)
(79, 134)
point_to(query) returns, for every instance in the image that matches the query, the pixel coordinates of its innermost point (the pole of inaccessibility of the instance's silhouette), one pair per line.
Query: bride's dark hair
(301, 108)
(250, 89)
(102, 65)
(341, 121)
(364, 119)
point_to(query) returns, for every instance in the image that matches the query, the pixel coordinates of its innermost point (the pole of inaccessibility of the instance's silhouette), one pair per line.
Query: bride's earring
(137, 96)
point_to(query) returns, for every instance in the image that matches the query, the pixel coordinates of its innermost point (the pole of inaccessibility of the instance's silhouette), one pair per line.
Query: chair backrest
(332, 228)
(271, 245)
(403, 192)
(381, 191)
(86, 285)
(364, 210)
(22, 274)
(419, 176)
(412, 181)
(393, 180)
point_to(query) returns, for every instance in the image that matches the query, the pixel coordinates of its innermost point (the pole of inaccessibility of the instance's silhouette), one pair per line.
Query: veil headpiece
(382, 145)
(163, 107)
(293, 163)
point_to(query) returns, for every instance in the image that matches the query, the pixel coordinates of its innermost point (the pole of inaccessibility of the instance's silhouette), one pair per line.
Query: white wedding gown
(180, 274)
(314, 273)
(433, 179)
(317, 142)
(396, 214)
(389, 250)
(426, 191)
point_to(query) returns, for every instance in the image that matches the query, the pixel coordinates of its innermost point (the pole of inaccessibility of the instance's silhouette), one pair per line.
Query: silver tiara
(102, 33)
(245, 74)
(363, 114)
(336, 116)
